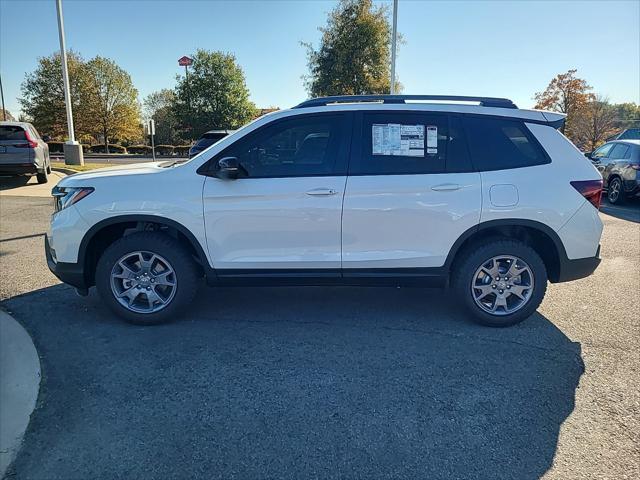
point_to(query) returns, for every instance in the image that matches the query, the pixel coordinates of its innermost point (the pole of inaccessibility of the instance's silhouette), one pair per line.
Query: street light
(72, 149)
(393, 47)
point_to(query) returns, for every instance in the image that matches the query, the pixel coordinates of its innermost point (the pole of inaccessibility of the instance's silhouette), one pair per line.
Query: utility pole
(72, 149)
(393, 47)
(4, 111)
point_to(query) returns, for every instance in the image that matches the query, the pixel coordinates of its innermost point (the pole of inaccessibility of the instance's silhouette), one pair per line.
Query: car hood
(86, 178)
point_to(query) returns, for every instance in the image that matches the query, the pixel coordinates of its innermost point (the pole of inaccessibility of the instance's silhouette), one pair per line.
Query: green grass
(83, 168)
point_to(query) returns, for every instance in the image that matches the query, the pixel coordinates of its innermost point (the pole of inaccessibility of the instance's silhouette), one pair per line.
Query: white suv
(467, 192)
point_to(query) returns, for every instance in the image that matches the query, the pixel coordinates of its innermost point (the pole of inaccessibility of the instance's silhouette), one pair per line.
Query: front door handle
(446, 187)
(322, 192)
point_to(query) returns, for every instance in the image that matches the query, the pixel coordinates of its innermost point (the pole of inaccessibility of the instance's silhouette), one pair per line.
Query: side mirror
(228, 168)
(46, 138)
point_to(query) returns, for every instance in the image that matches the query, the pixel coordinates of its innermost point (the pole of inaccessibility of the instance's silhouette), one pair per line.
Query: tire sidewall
(160, 244)
(480, 255)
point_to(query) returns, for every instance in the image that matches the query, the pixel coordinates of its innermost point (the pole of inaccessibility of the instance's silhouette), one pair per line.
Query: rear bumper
(18, 169)
(578, 268)
(70, 273)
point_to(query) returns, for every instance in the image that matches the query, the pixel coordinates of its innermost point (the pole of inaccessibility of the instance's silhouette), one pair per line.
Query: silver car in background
(23, 151)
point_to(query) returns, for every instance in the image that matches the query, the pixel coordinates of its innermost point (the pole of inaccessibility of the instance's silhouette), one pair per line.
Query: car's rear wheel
(615, 192)
(500, 282)
(147, 277)
(42, 177)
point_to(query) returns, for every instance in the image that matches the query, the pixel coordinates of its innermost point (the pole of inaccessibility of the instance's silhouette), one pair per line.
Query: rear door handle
(446, 187)
(322, 192)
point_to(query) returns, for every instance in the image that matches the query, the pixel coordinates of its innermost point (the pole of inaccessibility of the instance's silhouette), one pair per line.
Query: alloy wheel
(613, 192)
(502, 285)
(143, 282)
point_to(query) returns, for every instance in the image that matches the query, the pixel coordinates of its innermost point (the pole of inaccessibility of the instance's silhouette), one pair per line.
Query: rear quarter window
(497, 144)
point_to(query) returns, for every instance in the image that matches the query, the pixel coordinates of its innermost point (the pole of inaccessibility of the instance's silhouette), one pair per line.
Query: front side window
(603, 151)
(498, 144)
(303, 146)
(399, 143)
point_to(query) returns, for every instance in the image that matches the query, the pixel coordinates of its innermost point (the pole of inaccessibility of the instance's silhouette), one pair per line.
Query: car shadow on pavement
(8, 183)
(630, 210)
(294, 383)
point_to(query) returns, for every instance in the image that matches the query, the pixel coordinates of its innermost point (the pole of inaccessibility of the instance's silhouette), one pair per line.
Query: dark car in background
(619, 163)
(23, 151)
(208, 139)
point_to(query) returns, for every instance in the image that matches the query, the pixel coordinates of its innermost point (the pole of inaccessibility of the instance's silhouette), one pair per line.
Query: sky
(491, 48)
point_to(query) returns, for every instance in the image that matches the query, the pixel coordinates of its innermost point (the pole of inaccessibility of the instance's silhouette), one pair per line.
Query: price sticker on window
(399, 140)
(432, 140)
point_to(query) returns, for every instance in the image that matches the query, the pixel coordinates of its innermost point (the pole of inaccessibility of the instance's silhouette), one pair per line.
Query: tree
(214, 96)
(627, 115)
(159, 106)
(112, 106)
(7, 113)
(43, 95)
(596, 122)
(354, 53)
(566, 94)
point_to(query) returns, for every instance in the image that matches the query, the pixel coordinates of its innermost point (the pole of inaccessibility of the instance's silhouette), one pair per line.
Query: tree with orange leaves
(566, 94)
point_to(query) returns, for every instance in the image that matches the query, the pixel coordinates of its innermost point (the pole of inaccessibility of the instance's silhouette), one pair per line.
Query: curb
(19, 386)
(66, 171)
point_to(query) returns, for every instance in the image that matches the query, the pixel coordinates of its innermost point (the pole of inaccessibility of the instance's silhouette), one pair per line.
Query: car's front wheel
(147, 277)
(500, 281)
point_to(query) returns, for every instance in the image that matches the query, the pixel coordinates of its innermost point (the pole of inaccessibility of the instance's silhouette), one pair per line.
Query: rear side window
(498, 144)
(620, 152)
(396, 143)
(10, 132)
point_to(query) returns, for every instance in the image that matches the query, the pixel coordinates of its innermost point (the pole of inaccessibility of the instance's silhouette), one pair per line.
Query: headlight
(64, 197)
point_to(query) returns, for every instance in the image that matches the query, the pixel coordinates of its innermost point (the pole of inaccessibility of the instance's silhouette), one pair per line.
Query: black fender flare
(91, 233)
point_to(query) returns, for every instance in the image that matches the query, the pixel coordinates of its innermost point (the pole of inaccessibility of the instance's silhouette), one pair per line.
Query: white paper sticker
(432, 139)
(396, 139)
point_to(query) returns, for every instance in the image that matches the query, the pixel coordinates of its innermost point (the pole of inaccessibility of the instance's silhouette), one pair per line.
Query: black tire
(615, 191)
(186, 273)
(42, 177)
(472, 258)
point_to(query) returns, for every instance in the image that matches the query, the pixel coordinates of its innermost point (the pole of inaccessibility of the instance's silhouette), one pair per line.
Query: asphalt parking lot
(330, 382)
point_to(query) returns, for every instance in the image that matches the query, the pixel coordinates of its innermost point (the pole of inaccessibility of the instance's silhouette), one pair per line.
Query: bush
(139, 149)
(164, 149)
(112, 149)
(86, 148)
(56, 147)
(182, 150)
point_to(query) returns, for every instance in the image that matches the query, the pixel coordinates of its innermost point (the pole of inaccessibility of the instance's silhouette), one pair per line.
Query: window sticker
(432, 140)
(401, 140)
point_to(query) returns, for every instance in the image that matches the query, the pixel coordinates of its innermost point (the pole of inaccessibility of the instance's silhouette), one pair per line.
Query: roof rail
(483, 101)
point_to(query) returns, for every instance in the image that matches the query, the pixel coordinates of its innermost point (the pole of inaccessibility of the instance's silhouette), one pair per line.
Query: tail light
(31, 143)
(635, 166)
(591, 190)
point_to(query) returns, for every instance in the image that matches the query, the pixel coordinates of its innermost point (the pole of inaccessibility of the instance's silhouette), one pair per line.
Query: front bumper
(70, 273)
(578, 268)
(18, 169)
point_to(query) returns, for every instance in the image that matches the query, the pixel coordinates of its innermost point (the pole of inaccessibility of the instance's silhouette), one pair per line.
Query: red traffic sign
(185, 61)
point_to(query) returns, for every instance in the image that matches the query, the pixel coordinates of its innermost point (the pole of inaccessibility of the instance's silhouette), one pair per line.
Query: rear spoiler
(554, 119)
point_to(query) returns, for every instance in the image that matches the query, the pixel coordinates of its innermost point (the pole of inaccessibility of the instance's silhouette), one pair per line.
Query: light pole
(393, 47)
(72, 149)
(4, 111)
